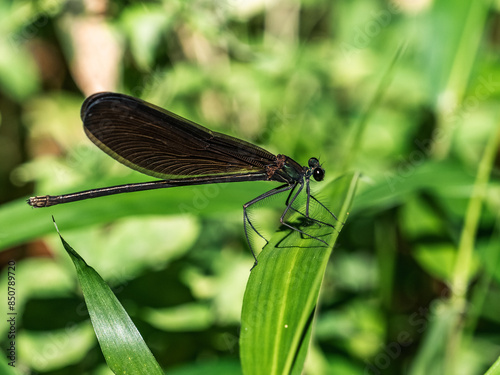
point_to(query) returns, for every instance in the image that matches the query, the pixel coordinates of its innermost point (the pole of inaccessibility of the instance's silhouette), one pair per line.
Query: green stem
(460, 279)
(460, 71)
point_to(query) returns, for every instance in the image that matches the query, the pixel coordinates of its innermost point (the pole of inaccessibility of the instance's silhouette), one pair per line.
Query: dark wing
(159, 143)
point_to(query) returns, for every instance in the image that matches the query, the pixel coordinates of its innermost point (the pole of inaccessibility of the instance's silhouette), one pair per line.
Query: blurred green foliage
(408, 289)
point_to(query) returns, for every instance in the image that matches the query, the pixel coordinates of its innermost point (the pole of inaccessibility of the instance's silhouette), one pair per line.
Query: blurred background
(406, 92)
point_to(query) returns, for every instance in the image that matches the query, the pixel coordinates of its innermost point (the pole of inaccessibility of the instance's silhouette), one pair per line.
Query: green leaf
(282, 291)
(494, 369)
(446, 178)
(121, 343)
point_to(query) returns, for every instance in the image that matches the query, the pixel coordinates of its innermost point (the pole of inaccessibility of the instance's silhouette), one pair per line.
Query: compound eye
(318, 174)
(313, 163)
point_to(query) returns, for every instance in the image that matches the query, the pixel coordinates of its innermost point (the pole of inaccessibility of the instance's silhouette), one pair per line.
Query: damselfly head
(317, 172)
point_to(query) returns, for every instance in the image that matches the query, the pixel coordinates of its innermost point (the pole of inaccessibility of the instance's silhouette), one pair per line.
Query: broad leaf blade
(282, 292)
(121, 343)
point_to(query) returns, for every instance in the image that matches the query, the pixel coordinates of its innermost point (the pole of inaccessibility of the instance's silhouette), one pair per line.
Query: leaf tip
(55, 225)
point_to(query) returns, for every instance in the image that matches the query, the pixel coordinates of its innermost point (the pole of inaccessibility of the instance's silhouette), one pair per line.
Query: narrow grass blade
(121, 343)
(494, 369)
(282, 291)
